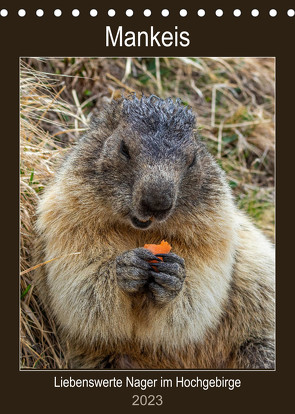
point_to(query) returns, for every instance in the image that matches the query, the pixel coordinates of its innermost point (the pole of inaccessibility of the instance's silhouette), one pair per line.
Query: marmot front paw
(167, 281)
(163, 279)
(134, 270)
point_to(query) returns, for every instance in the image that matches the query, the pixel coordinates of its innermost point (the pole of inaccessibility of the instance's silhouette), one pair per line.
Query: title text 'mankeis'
(120, 37)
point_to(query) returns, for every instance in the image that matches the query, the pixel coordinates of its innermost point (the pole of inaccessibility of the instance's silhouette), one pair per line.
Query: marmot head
(144, 162)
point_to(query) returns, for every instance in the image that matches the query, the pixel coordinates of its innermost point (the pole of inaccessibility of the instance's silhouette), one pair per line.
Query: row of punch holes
(148, 13)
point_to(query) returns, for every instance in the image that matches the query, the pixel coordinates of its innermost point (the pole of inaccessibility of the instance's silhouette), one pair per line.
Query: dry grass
(234, 102)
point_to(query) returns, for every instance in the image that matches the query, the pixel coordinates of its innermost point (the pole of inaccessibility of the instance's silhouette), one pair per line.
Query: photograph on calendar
(147, 213)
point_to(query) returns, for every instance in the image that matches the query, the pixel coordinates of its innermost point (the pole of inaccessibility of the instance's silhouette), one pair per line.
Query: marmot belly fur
(141, 175)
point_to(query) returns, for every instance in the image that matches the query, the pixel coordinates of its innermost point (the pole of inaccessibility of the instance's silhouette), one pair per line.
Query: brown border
(84, 36)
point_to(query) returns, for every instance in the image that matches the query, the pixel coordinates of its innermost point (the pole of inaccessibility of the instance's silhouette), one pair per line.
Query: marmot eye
(193, 161)
(124, 150)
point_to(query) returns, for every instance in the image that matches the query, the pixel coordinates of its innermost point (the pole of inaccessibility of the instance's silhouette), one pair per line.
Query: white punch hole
(111, 13)
(75, 12)
(39, 13)
(255, 13)
(22, 13)
(273, 13)
(129, 13)
(93, 13)
(3, 13)
(57, 12)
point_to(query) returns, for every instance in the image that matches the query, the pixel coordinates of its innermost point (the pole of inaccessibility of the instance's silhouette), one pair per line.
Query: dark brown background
(85, 36)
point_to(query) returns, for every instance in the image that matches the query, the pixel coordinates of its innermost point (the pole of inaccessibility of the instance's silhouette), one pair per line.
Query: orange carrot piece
(162, 248)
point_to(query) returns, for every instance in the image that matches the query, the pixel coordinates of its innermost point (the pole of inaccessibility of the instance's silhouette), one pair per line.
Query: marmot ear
(105, 120)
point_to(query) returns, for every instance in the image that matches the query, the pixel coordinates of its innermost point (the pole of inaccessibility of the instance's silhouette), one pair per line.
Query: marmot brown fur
(138, 176)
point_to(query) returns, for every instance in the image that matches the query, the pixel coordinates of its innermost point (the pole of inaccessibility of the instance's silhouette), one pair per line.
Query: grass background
(234, 99)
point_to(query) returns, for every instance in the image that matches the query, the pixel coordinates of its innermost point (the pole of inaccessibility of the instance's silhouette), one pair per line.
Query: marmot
(141, 175)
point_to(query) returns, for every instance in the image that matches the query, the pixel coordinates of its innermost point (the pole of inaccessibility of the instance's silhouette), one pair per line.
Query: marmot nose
(154, 204)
